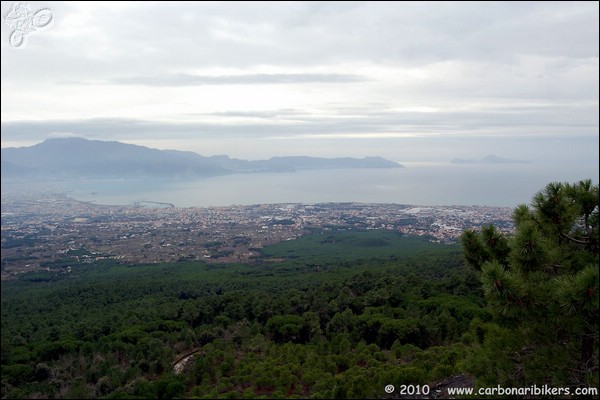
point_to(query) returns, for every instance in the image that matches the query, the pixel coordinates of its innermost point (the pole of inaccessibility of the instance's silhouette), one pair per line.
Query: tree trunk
(587, 351)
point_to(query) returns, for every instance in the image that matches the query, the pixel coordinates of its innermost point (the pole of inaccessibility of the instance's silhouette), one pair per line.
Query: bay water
(501, 185)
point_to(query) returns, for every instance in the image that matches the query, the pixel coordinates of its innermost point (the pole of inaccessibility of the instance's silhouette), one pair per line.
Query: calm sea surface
(421, 184)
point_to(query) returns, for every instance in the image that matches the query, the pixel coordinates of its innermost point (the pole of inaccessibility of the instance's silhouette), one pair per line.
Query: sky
(409, 81)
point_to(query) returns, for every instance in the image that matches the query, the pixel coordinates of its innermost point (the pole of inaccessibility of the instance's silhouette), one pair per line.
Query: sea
(431, 184)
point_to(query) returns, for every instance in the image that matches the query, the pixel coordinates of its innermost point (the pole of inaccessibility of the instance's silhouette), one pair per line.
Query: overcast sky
(407, 81)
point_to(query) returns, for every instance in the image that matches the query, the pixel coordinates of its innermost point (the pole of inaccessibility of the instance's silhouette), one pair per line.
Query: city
(56, 232)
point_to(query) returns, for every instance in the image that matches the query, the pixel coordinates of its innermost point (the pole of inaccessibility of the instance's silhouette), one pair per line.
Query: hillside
(324, 329)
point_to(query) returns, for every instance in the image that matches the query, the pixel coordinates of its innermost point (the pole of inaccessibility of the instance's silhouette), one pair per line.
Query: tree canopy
(542, 281)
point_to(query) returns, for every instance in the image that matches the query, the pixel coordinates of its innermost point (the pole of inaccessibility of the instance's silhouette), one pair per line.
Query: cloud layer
(215, 77)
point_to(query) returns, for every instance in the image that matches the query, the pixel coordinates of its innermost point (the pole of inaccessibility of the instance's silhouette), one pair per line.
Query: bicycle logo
(24, 21)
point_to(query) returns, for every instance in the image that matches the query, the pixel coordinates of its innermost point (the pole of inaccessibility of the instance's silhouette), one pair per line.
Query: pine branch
(586, 242)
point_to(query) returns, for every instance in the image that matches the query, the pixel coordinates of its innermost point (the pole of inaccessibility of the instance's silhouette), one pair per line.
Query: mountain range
(81, 158)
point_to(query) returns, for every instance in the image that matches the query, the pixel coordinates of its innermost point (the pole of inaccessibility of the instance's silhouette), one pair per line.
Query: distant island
(491, 159)
(68, 158)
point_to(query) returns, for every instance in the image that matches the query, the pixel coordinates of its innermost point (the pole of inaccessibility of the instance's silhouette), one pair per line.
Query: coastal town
(56, 232)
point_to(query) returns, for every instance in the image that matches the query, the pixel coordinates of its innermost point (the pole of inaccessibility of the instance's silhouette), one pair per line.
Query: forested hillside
(336, 314)
(330, 329)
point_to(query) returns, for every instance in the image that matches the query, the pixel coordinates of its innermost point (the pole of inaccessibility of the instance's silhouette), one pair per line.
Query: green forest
(334, 314)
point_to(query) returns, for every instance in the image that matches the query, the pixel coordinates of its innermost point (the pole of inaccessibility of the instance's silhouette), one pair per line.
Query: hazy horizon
(410, 82)
(433, 151)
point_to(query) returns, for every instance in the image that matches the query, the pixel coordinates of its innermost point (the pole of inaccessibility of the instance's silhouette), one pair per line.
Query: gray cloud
(500, 121)
(89, 41)
(308, 70)
(245, 79)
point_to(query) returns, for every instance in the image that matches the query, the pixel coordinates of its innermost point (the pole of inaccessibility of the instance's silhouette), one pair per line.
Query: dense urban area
(55, 231)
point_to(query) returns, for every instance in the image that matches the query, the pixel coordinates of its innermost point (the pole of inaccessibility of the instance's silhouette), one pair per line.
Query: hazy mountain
(76, 157)
(491, 159)
(10, 169)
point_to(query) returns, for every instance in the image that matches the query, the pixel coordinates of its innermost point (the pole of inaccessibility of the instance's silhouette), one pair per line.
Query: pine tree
(542, 281)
